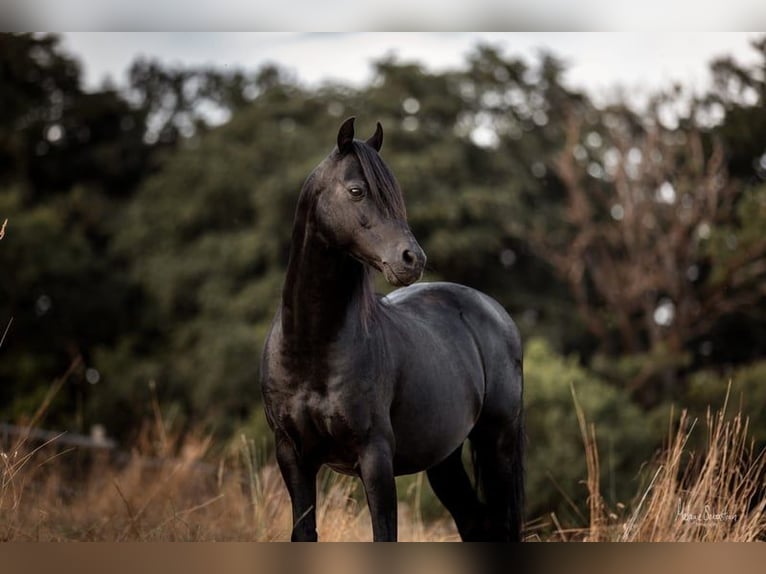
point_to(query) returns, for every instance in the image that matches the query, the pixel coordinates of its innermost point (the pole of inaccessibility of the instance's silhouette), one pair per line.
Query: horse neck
(325, 292)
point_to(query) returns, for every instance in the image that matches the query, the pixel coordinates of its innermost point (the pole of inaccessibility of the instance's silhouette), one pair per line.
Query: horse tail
(515, 518)
(498, 463)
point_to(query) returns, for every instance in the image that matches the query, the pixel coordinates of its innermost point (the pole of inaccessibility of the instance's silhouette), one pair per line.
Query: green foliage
(556, 468)
(62, 295)
(746, 388)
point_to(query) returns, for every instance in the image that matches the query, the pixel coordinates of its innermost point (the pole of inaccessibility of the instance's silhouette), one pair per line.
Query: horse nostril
(408, 257)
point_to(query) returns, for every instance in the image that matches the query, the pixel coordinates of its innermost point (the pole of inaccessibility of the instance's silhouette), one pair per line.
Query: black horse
(380, 386)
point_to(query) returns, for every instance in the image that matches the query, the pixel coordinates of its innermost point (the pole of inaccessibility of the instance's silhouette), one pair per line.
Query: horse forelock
(384, 188)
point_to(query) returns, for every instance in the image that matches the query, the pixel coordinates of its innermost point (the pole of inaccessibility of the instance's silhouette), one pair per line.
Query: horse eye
(356, 191)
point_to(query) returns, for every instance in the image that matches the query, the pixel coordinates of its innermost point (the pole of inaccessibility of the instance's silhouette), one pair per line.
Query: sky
(601, 63)
(341, 15)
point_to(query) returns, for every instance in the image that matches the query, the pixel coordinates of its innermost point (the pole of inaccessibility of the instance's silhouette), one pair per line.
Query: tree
(655, 241)
(738, 95)
(67, 157)
(178, 101)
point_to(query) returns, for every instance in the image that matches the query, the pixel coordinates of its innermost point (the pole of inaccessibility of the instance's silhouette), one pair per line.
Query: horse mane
(384, 189)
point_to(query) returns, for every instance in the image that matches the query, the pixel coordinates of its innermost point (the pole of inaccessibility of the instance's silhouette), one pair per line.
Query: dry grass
(711, 496)
(162, 498)
(165, 491)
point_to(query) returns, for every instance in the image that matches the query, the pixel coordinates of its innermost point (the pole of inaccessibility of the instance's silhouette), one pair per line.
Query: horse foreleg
(377, 473)
(300, 478)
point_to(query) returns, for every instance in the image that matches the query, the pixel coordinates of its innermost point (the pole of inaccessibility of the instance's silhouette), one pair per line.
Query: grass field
(150, 497)
(165, 491)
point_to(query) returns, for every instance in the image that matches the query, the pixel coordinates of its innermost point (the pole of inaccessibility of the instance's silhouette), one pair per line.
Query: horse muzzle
(406, 267)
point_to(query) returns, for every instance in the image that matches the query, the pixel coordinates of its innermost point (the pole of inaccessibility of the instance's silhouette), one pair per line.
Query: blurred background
(608, 190)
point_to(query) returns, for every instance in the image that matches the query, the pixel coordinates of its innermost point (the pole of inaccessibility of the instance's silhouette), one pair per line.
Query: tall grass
(145, 497)
(164, 490)
(712, 495)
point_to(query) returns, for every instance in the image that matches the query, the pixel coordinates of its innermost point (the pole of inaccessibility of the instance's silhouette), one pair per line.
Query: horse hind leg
(498, 449)
(453, 488)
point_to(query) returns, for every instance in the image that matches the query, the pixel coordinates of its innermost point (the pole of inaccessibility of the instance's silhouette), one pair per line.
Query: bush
(748, 394)
(556, 466)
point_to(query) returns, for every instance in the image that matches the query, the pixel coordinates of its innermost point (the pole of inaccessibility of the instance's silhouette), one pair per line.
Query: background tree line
(629, 245)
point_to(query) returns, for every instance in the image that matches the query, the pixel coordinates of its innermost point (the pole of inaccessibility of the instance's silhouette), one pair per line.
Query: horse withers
(377, 386)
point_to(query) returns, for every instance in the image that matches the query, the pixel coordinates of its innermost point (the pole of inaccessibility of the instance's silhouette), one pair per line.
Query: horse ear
(376, 140)
(346, 135)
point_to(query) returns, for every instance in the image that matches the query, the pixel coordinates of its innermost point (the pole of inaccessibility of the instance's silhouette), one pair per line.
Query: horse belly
(436, 412)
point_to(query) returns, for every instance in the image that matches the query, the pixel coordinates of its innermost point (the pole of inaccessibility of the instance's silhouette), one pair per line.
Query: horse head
(359, 208)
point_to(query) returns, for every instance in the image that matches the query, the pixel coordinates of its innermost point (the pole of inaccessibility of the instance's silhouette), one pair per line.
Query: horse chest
(324, 403)
(321, 421)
